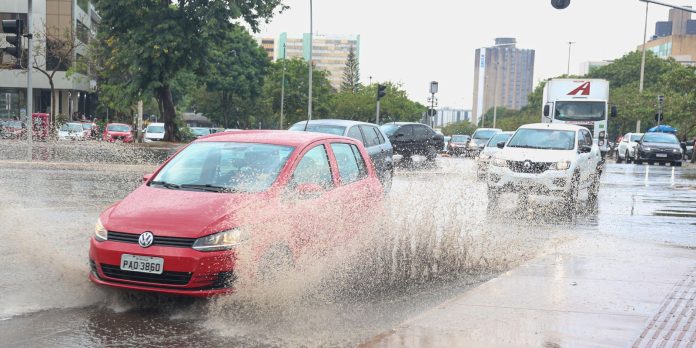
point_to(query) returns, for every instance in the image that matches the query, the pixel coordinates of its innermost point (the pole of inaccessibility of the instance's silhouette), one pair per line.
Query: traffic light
(13, 26)
(381, 91)
(560, 4)
(659, 117)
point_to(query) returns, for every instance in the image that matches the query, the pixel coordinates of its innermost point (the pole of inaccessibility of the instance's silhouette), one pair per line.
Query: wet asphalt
(49, 208)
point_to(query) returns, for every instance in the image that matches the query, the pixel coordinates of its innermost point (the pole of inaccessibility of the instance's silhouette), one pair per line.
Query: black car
(411, 139)
(377, 144)
(658, 148)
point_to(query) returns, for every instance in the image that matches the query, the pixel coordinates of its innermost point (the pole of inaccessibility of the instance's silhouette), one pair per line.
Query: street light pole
(30, 94)
(311, 33)
(570, 45)
(645, 42)
(495, 94)
(282, 92)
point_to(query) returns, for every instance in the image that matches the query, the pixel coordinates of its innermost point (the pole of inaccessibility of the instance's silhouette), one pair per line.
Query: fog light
(559, 182)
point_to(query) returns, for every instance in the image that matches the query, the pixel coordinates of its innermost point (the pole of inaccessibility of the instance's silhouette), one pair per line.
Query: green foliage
(361, 106)
(351, 74)
(464, 127)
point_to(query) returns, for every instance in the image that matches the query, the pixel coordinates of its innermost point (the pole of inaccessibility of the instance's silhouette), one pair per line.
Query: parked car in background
(659, 148)
(457, 144)
(626, 149)
(118, 133)
(154, 132)
(89, 129)
(492, 147)
(199, 131)
(276, 195)
(13, 129)
(447, 140)
(550, 159)
(71, 131)
(410, 139)
(378, 146)
(479, 140)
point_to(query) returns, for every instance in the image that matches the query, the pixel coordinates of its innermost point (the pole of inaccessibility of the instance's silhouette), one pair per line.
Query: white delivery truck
(580, 102)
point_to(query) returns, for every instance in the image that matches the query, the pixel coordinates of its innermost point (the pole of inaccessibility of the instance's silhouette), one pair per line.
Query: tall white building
(73, 95)
(446, 116)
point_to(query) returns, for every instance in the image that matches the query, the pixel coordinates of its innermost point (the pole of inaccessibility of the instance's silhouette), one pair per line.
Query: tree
(155, 40)
(464, 127)
(296, 87)
(55, 51)
(237, 68)
(351, 74)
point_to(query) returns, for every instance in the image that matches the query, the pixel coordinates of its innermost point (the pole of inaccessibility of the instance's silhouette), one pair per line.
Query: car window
(420, 132)
(354, 132)
(381, 137)
(407, 131)
(371, 135)
(588, 137)
(314, 169)
(351, 166)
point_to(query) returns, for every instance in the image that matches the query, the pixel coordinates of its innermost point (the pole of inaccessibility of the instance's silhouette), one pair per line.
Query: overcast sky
(436, 39)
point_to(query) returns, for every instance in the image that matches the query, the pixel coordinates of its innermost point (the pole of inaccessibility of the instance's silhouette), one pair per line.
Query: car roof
(554, 126)
(274, 137)
(336, 122)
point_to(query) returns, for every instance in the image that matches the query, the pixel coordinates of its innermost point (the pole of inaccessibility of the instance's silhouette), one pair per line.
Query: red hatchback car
(118, 132)
(268, 193)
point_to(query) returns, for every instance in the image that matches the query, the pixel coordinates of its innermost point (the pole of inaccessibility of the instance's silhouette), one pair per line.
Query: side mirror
(614, 111)
(547, 110)
(501, 145)
(399, 135)
(585, 148)
(147, 177)
(307, 191)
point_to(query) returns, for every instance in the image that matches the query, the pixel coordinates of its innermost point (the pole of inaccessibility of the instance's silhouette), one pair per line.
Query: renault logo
(527, 165)
(146, 239)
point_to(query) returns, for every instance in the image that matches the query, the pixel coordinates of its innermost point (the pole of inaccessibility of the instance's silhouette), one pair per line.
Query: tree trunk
(161, 109)
(52, 118)
(171, 131)
(225, 109)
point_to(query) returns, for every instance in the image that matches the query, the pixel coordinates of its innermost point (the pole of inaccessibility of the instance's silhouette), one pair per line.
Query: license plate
(143, 264)
(662, 155)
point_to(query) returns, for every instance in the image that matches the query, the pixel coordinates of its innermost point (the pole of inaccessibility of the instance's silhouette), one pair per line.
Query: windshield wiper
(166, 185)
(208, 187)
(527, 146)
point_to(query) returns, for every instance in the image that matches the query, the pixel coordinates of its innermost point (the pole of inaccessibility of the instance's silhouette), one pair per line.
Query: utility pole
(282, 92)
(570, 45)
(495, 94)
(139, 122)
(30, 94)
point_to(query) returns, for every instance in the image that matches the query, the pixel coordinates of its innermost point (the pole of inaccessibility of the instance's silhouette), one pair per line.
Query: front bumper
(186, 271)
(653, 156)
(549, 182)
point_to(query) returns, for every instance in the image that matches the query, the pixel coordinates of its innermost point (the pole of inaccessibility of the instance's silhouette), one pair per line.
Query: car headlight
(499, 162)
(562, 165)
(100, 233)
(221, 241)
(646, 149)
(676, 150)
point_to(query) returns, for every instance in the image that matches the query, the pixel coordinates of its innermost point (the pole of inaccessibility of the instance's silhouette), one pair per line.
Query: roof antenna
(305, 125)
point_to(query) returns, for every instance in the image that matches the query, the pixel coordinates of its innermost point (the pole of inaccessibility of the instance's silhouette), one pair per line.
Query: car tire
(650, 163)
(618, 158)
(430, 154)
(677, 164)
(275, 264)
(663, 163)
(627, 157)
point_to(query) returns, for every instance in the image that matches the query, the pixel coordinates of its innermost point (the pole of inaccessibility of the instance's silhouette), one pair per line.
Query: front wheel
(618, 157)
(627, 157)
(677, 164)
(593, 192)
(571, 197)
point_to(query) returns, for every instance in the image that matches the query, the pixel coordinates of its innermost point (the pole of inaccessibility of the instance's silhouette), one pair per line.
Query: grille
(158, 240)
(534, 167)
(169, 278)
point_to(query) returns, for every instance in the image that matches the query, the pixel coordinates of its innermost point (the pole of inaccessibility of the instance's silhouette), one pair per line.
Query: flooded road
(49, 209)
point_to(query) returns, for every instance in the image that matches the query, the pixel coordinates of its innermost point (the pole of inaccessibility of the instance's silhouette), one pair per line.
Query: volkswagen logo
(146, 239)
(527, 165)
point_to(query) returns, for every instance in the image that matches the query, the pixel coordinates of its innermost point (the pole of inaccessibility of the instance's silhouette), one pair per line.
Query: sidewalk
(596, 291)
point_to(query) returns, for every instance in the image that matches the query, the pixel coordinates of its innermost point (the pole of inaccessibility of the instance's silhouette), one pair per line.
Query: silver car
(489, 151)
(627, 147)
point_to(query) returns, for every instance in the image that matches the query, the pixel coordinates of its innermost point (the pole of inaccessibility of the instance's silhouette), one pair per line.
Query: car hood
(535, 155)
(118, 134)
(154, 135)
(176, 213)
(663, 145)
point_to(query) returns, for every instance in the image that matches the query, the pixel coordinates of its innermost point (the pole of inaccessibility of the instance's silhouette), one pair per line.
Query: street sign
(432, 112)
(433, 87)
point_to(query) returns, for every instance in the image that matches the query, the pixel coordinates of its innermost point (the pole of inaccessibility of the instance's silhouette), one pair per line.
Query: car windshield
(118, 128)
(484, 134)
(497, 139)
(200, 131)
(662, 138)
(71, 127)
(389, 129)
(549, 139)
(636, 137)
(319, 128)
(580, 111)
(155, 129)
(86, 126)
(224, 167)
(460, 138)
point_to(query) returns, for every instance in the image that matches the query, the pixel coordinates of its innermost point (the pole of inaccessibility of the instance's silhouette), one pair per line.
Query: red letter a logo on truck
(584, 88)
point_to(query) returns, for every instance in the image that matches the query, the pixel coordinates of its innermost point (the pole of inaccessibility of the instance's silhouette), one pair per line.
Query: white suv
(547, 159)
(627, 147)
